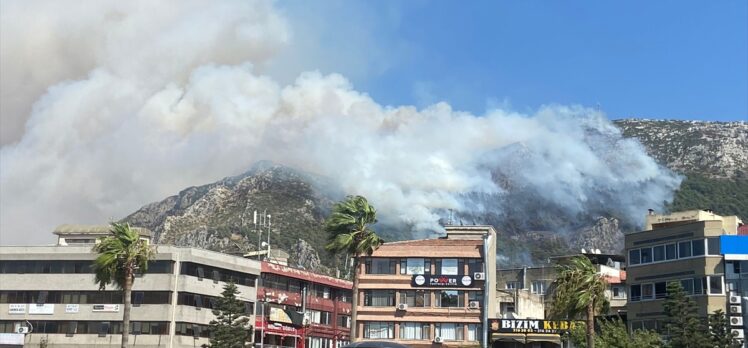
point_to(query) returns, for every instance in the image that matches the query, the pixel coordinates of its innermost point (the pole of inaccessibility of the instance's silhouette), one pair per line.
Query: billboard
(531, 326)
(46, 308)
(17, 308)
(443, 281)
(105, 308)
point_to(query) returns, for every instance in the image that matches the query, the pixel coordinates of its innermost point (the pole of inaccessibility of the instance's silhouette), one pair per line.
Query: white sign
(17, 308)
(11, 339)
(46, 308)
(72, 308)
(105, 308)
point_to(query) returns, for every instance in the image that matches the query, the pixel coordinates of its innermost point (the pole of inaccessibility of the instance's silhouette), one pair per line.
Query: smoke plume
(111, 105)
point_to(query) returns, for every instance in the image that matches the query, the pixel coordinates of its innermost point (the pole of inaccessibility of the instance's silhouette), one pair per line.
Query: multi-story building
(50, 291)
(683, 247)
(301, 309)
(734, 249)
(430, 291)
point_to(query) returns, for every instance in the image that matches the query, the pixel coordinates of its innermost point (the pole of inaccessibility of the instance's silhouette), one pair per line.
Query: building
(50, 291)
(684, 247)
(429, 292)
(734, 250)
(301, 309)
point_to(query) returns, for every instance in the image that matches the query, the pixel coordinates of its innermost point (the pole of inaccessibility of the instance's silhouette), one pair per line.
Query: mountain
(220, 216)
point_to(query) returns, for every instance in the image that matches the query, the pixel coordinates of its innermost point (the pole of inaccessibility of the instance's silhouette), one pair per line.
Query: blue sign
(734, 245)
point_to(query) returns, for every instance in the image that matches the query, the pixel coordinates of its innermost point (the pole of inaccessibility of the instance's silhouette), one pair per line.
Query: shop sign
(46, 308)
(17, 308)
(72, 308)
(105, 308)
(280, 316)
(446, 281)
(531, 326)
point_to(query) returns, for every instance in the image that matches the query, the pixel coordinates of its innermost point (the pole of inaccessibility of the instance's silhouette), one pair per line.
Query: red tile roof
(430, 248)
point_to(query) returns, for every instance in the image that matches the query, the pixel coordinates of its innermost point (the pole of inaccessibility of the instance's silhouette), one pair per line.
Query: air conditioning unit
(736, 321)
(402, 307)
(734, 299)
(438, 339)
(738, 333)
(479, 276)
(473, 304)
(736, 309)
(22, 330)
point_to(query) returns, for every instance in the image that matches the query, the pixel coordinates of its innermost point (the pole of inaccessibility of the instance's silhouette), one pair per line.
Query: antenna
(451, 218)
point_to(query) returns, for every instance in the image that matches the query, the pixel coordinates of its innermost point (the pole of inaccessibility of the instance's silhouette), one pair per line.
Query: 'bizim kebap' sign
(531, 326)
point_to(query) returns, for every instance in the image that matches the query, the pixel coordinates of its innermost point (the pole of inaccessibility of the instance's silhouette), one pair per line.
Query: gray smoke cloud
(124, 103)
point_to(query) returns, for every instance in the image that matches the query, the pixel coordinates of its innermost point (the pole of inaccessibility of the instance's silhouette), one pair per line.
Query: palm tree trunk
(354, 300)
(591, 325)
(126, 309)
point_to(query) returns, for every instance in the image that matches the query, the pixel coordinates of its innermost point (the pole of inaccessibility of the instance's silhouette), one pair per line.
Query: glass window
(413, 266)
(636, 292)
(659, 253)
(450, 298)
(660, 290)
(381, 330)
(414, 331)
(513, 285)
(474, 332)
(379, 298)
(698, 247)
(449, 331)
(619, 292)
(474, 265)
(715, 285)
(698, 286)
(476, 296)
(684, 249)
(713, 245)
(344, 321)
(449, 267)
(380, 266)
(416, 298)
(634, 257)
(538, 287)
(647, 291)
(671, 252)
(646, 254)
(687, 285)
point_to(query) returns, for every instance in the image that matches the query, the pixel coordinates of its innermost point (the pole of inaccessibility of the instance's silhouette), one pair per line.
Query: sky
(653, 59)
(109, 105)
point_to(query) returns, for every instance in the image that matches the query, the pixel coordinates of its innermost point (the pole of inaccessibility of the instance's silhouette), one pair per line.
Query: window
(199, 271)
(715, 285)
(448, 267)
(474, 332)
(636, 293)
(634, 257)
(412, 266)
(344, 321)
(513, 285)
(506, 307)
(659, 253)
(647, 291)
(660, 290)
(450, 298)
(377, 329)
(380, 266)
(687, 285)
(474, 265)
(618, 292)
(344, 295)
(671, 252)
(321, 291)
(713, 245)
(319, 317)
(416, 298)
(476, 296)
(684, 249)
(190, 329)
(449, 332)
(699, 286)
(646, 255)
(538, 287)
(414, 331)
(698, 247)
(379, 298)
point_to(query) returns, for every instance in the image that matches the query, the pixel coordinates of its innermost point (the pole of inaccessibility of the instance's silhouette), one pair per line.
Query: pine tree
(229, 329)
(720, 333)
(684, 327)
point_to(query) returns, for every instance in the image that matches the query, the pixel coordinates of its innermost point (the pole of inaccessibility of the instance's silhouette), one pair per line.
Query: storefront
(524, 333)
(277, 335)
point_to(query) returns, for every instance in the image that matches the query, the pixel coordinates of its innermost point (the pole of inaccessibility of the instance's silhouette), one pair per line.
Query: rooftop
(72, 229)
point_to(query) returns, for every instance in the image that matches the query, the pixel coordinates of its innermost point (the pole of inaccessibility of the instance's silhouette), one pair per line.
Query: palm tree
(351, 235)
(579, 288)
(121, 255)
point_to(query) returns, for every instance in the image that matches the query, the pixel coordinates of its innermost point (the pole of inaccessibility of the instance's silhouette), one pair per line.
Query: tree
(351, 235)
(229, 329)
(613, 334)
(683, 326)
(720, 332)
(121, 255)
(579, 288)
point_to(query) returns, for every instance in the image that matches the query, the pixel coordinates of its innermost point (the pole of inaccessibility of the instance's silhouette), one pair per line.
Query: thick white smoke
(142, 99)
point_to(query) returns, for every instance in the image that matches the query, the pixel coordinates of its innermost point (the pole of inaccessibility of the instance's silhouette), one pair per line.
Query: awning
(553, 338)
(526, 338)
(509, 337)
